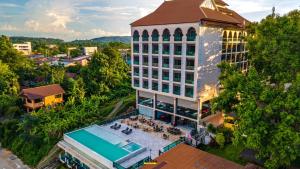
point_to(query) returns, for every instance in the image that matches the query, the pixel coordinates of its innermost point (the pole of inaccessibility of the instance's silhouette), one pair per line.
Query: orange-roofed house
(188, 157)
(42, 96)
(176, 51)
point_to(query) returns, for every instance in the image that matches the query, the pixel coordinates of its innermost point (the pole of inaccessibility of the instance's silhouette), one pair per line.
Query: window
(166, 49)
(155, 61)
(145, 84)
(166, 35)
(166, 62)
(189, 92)
(154, 86)
(136, 36)
(176, 90)
(155, 74)
(136, 48)
(178, 35)
(177, 49)
(190, 51)
(189, 78)
(136, 83)
(165, 88)
(177, 77)
(191, 34)
(177, 63)
(154, 48)
(145, 35)
(58, 96)
(145, 48)
(136, 71)
(155, 35)
(165, 75)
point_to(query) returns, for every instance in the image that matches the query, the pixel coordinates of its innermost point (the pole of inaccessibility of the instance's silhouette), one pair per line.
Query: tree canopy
(266, 99)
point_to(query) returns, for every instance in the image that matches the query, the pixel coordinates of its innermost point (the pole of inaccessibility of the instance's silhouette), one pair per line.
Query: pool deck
(148, 140)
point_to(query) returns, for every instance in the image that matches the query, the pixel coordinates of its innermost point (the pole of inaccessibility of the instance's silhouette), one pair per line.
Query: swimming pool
(103, 143)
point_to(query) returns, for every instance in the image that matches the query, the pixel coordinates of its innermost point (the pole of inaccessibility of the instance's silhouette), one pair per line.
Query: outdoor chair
(129, 132)
(114, 126)
(118, 127)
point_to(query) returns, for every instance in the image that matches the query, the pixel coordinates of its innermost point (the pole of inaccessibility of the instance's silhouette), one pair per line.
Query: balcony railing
(145, 63)
(154, 76)
(166, 52)
(190, 67)
(177, 66)
(165, 78)
(178, 52)
(189, 81)
(165, 90)
(190, 53)
(154, 51)
(136, 51)
(155, 38)
(136, 73)
(177, 79)
(136, 62)
(154, 64)
(145, 74)
(166, 65)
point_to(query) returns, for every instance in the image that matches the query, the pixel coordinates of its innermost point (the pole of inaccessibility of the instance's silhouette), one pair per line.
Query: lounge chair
(129, 132)
(118, 127)
(125, 131)
(114, 126)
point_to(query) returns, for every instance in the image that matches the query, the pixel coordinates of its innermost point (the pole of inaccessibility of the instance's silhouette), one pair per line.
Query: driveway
(10, 161)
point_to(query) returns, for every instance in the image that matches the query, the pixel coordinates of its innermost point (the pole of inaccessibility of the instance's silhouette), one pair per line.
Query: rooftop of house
(184, 156)
(191, 11)
(42, 91)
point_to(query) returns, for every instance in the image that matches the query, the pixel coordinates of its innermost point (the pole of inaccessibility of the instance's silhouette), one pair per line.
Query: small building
(42, 96)
(188, 157)
(89, 50)
(25, 48)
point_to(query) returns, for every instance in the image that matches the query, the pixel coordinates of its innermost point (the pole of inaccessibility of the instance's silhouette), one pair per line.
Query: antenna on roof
(273, 11)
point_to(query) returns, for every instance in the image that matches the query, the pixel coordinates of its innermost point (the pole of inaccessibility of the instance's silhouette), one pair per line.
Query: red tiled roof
(221, 2)
(184, 11)
(187, 157)
(42, 91)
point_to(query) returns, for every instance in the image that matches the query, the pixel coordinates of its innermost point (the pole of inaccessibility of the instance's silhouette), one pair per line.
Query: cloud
(8, 27)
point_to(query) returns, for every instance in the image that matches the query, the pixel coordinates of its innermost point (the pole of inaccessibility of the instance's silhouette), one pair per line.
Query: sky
(86, 19)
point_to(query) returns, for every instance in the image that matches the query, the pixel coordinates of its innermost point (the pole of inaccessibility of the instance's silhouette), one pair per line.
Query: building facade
(25, 48)
(175, 57)
(89, 51)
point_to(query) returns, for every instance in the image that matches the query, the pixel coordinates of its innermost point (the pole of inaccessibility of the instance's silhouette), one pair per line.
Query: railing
(154, 64)
(190, 53)
(177, 79)
(166, 52)
(172, 145)
(177, 66)
(177, 38)
(165, 65)
(177, 52)
(137, 165)
(190, 67)
(189, 81)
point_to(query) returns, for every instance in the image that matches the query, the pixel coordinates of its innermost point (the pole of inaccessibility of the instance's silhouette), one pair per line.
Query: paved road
(10, 163)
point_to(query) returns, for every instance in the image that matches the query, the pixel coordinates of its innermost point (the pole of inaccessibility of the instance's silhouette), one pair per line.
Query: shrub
(220, 139)
(211, 128)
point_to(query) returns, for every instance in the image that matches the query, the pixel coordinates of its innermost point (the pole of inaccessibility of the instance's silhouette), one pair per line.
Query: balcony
(190, 67)
(187, 112)
(154, 76)
(154, 64)
(190, 52)
(177, 79)
(191, 38)
(155, 38)
(178, 52)
(189, 81)
(189, 92)
(136, 62)
(165, 88)
(136, 73)
(155, 52)
(166, 52)
(165, 78)
(166, 65)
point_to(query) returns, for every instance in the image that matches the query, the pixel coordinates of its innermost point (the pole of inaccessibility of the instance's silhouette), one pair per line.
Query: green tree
(220, 139)
(267, 98)
(8, 80)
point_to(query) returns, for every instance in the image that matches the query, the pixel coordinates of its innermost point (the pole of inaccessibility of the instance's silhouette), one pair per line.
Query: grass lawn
(230, 152)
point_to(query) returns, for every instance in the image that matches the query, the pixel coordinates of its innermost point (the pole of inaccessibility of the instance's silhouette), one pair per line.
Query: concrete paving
(10, 161)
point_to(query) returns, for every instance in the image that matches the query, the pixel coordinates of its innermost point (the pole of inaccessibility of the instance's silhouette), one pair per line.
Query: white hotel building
(175, 53)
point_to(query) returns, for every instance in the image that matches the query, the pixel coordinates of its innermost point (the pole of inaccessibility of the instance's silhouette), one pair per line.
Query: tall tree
(267, 98)
(8, 80)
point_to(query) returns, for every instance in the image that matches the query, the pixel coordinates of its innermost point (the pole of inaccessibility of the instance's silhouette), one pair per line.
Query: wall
(210, 52)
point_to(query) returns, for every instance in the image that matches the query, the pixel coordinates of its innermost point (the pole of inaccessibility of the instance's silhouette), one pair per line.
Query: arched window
(191, 34)
(155, 35)
(240, 36)
(166, 35)
(145, 35)
(230, 36)
(235, 36)
(136, 36)
(178, 34)
(225, 36)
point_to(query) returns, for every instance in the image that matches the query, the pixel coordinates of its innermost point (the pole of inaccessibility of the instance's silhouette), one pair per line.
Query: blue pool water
(132, 147)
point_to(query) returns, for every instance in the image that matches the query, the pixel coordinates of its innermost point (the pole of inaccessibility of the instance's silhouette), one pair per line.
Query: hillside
(124, 39)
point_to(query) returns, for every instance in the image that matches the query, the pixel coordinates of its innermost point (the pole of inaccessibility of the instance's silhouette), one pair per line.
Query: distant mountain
(124, 39)
(21, 39)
